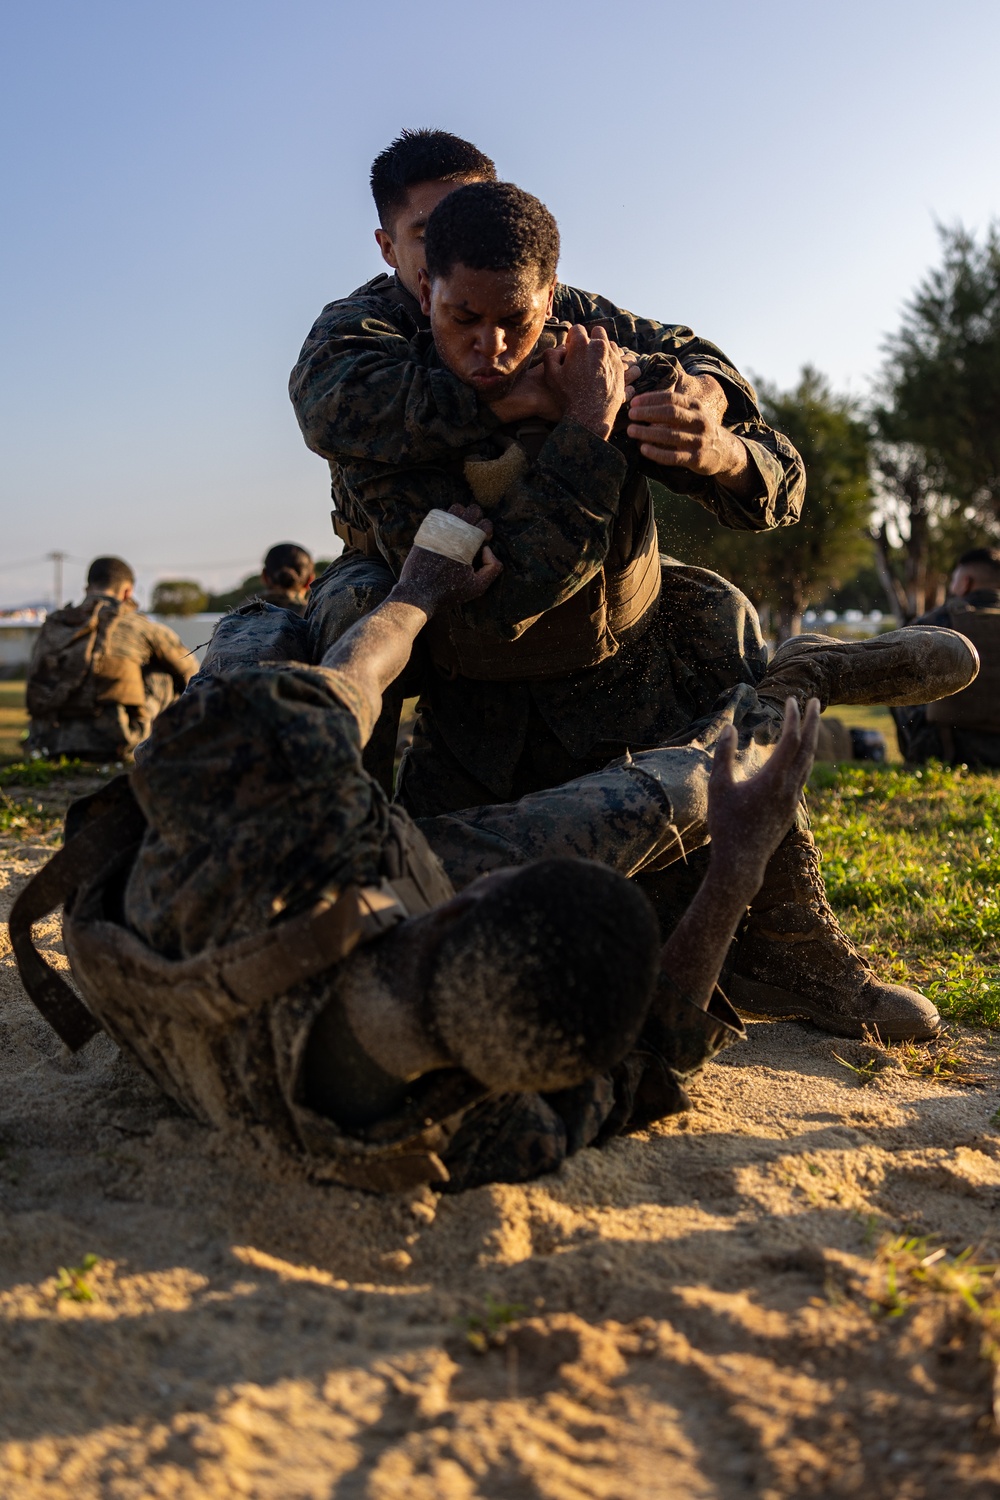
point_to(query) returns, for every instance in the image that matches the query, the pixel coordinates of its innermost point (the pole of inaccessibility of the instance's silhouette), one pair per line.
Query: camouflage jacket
(128, 646)
(373, 398)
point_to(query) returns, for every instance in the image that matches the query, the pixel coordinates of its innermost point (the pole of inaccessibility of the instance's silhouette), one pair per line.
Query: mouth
(488, 380)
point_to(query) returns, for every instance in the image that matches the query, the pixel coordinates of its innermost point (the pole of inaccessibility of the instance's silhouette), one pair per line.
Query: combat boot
(918, 664)
(792, 958)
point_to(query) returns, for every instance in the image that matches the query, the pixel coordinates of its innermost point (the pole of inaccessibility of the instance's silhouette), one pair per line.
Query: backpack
(64, 653)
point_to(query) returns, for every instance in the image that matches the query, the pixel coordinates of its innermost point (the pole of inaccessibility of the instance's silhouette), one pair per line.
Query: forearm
(695, 952)
(375, 650)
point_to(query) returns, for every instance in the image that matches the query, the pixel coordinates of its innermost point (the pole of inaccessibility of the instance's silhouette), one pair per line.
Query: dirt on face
(745, 1301)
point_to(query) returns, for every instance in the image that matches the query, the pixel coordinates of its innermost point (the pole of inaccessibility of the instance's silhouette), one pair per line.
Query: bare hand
(530, 396)
(587, 373)
(748, 819)
(681, 428)
(433, 582)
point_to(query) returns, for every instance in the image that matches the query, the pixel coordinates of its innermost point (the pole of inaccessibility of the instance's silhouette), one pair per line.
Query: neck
(381, 987)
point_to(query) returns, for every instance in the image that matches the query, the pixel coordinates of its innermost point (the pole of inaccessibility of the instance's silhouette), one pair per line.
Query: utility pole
(57, 559)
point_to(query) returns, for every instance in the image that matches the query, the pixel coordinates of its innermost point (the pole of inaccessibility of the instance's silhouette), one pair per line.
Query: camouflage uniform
(256, 801)
(298, 603)
(398, 428)
(920, 739)
(139, 668)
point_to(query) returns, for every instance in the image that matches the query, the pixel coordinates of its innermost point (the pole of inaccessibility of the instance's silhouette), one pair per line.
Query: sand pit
(703, 1312)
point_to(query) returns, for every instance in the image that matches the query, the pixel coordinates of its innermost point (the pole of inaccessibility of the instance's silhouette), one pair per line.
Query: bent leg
(638, 814)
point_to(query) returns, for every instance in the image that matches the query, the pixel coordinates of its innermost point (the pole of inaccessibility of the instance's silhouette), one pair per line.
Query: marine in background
(964, 729)
(287, 574)
(101, 671)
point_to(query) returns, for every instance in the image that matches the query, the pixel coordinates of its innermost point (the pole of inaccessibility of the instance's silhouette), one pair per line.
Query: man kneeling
(278, 946)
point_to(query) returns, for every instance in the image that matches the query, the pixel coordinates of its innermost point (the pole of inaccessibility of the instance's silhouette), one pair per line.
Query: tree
(941, 382)
(794, 566)
(937, 424)
(178, 596)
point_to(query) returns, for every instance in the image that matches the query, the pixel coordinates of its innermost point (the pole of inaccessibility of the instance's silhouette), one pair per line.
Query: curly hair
(491, 226)
(546, 979)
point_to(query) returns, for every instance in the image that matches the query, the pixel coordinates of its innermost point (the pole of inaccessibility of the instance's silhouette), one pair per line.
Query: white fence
(17, 638)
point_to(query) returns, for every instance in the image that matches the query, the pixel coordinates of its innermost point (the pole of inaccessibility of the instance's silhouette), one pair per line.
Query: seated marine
(287, 576)
(457, 1000)
(963, 729)
(100, 671)
(590, 645)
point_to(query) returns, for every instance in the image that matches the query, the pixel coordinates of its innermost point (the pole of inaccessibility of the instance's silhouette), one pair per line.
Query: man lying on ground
(279, 946)
(589, 646)
(482, 1036)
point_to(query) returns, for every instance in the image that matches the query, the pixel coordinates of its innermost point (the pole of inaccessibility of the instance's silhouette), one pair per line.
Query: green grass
(912, 867)
(13, 718)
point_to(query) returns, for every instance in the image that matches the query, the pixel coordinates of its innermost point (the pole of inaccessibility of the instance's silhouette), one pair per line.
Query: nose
(490, 342)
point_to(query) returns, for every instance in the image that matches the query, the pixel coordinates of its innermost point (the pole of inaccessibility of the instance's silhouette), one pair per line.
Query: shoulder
(380, 300)
(572, 305)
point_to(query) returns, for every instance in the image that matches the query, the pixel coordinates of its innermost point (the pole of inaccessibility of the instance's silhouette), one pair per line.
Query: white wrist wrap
(449, 536)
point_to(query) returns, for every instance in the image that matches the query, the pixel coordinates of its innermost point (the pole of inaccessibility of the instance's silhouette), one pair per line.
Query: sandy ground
(700, 1312)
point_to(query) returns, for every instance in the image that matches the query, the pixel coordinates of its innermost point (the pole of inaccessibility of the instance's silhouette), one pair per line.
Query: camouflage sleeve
(552, 529)
(778, 496)
(363, 389)
(167, 653)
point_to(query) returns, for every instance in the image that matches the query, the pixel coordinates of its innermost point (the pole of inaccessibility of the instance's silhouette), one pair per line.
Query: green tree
(788, 569)
(937, 423)
(178, 596)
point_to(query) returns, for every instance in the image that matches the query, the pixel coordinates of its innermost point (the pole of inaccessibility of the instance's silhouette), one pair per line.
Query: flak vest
(182, 1019)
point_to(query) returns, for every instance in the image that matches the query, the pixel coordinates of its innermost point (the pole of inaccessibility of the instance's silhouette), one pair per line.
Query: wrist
(411, 596)
(600, 423)
(733, 879)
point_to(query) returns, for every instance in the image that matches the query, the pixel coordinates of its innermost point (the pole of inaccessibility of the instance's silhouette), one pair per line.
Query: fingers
(650, 403)
(473, 514)
(721, 778)
(671, 458)
(487, 573)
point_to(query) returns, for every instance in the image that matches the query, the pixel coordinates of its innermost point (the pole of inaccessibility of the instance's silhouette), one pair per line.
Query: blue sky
(185, 186)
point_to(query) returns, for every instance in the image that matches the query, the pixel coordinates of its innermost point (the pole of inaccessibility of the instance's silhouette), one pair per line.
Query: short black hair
(987, 558)
(546, 980)
(423, 156)
(109, 573)
(491, 226)
(288, 565)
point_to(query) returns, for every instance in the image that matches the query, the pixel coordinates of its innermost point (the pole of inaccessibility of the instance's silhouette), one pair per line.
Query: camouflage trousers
(110, 733)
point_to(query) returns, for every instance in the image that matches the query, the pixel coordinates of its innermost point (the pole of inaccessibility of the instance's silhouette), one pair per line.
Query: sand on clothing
(696, 1312)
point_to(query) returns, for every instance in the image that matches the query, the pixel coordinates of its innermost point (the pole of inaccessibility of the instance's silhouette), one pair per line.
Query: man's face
(486, 323)
(402, 245)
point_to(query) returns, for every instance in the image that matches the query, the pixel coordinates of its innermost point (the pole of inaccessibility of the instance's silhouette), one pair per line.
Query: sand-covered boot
(792, 958)
(918, 664)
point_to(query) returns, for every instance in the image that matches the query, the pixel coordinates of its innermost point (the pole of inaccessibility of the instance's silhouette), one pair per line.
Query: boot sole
(766, 1000)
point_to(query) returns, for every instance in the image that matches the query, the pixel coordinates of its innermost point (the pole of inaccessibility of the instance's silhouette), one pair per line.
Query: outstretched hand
(748, 819)
(433, 582)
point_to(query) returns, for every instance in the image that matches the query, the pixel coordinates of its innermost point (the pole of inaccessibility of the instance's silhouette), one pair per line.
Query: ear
(387, 248)
(552, 293)
(127, 592)
(424, 291)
